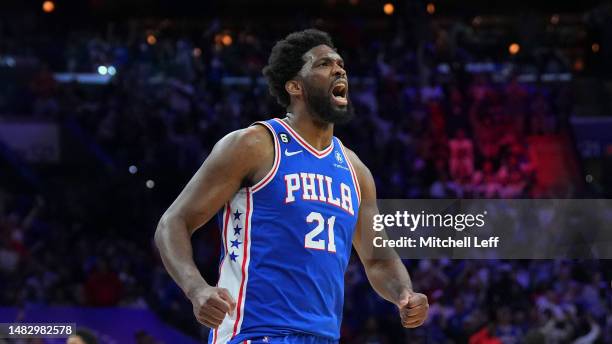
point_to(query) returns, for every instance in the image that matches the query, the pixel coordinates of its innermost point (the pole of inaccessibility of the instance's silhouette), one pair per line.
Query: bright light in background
(554, 19)
(431, 8)
(150, 184)
(111, 70)
(389, 8)
(595, 47)
(9, 61)
(133, 169)
(102, 70)
(514, 48)
(226, 40)
(579, 65)
(48, 6)
(151, 39)
(197, 52)
(477, 21)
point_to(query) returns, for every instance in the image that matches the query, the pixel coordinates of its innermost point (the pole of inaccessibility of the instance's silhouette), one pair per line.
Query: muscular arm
(385, 270)
(239, 157)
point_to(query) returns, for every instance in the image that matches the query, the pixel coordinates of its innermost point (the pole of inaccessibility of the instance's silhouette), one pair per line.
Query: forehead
(321, 51)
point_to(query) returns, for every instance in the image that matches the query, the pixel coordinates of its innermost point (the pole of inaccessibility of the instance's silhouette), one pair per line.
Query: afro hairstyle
(287, 59)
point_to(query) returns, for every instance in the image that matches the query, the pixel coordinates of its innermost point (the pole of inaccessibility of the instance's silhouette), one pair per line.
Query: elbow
(162, 229)
(169, 223)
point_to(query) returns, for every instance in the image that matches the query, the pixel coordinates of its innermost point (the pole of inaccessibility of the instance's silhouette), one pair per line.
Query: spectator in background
(484, 336)
(513, 178)
(82, 336)
(486, 181)
(443, 187)
(103, 287)
(461, 156)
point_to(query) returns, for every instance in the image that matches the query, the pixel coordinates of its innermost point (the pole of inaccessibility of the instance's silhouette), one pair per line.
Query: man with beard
(290, 201)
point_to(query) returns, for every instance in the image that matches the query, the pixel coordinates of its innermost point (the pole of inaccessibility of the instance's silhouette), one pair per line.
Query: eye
(324, 64)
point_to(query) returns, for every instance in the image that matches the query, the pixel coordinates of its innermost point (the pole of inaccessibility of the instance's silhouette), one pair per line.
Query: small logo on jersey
(284, 137)
(288, 153)
(339, 157)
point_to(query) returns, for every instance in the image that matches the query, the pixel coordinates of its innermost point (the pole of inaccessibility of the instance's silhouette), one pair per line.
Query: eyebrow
(327, 58)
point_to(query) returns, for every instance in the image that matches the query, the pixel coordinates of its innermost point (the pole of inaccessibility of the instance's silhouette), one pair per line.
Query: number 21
(309, 241)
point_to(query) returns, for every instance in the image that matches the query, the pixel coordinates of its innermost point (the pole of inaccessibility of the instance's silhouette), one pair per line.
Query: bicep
(363, 240)
(364, 234)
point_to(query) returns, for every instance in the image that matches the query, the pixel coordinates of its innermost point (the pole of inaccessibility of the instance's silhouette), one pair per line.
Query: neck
(317, 133)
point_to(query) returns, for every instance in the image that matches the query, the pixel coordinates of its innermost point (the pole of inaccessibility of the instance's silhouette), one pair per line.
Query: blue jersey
(287, 242)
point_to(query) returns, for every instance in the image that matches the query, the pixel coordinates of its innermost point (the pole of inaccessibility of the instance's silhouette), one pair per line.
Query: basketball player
(290, 200)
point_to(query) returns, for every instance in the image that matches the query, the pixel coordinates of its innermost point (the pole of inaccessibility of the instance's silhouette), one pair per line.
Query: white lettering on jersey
(292, 181)
(320, 178)
(330, 195)
(309, 187)
(347, 202)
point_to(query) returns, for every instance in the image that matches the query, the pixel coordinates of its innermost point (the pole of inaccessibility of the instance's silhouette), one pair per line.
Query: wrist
(403, 293)
(192, 288)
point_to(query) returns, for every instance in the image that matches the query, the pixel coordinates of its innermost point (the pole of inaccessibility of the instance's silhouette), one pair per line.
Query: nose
(339, 71)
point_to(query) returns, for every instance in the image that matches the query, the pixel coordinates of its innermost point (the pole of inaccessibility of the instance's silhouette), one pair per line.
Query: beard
(320, 104)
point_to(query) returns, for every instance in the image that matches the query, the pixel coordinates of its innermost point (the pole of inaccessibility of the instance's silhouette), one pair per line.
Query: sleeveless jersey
(287, 242)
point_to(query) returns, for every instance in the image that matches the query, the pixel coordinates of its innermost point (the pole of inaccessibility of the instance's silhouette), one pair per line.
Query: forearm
(389, 278)
(174, 244)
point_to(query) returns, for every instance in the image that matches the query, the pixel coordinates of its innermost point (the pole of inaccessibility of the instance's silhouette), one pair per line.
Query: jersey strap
(277, 158)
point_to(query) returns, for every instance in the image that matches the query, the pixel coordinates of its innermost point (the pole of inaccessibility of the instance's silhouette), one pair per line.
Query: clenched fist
(413, 309)
(211, 304)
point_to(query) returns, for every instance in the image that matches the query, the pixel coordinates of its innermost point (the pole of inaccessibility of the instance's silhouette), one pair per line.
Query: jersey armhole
(275, 164)
(352, 170)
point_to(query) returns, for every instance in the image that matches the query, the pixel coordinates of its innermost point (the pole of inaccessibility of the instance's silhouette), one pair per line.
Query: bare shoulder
(364, 176)
(360, 167)
(251, 148)
(250, 140)
(251, 143)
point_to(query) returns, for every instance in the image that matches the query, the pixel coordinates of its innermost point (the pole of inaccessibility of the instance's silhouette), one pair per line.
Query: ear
(294, 88)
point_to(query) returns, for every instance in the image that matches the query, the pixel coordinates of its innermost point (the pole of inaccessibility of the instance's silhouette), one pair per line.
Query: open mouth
(339, 93)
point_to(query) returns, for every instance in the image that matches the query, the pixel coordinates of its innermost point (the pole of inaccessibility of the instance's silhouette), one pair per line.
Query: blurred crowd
(85, 236)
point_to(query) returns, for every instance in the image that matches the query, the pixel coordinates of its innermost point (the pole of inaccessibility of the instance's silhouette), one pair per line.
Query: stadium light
(227, 40)
(48, 6)
(431, 8)
(595, 47)
(554, 19)
(150, 184)
(197, 52)
(112, 70)
(579, 65)
(133, 169)
(514, 48)
(102, 70)
(389, 8)
(151, 39)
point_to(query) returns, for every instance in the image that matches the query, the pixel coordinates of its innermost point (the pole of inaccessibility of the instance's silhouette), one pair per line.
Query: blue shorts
(290, 339)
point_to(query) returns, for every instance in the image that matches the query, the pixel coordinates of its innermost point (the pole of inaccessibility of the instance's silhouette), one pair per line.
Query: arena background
(107, 108)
